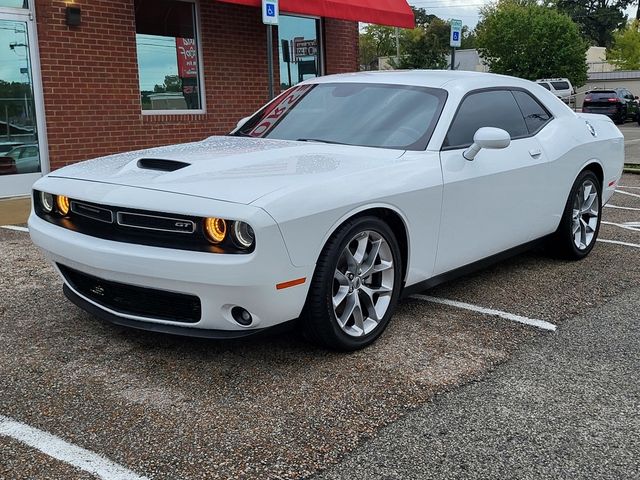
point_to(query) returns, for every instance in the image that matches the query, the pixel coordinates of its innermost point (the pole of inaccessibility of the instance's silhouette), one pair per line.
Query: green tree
(468, 38)
(426, 46)
(528, 40)
(376, 41)
(625, 52)
(172, 83)
(598, 19)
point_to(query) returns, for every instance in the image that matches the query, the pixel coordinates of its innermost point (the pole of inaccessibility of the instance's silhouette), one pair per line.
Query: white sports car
(328, 204)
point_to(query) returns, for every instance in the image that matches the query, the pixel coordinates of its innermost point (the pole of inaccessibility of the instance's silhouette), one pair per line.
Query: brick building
(84, 78)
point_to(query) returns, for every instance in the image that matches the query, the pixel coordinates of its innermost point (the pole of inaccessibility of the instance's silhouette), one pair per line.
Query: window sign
(300, 54)
(168, 63)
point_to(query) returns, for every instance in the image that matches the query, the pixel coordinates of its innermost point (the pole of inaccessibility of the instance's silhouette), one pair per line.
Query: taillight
(587, 99)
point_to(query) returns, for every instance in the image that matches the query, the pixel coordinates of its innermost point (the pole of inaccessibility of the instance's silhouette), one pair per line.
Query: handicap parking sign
(456, 36)
(270, 12)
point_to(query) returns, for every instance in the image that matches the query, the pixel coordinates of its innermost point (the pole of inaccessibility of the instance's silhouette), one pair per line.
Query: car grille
(134, 300)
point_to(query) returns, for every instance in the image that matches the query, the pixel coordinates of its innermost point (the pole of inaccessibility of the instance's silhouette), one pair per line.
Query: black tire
(562, 242)
(318, 321)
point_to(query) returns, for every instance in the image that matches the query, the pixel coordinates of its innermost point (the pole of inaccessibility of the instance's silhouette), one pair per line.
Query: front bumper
(220, 281)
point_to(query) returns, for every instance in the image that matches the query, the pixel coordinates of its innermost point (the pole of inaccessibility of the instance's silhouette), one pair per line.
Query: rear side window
(494, 108)
(545, 85)
(560, 85)
(535, 116)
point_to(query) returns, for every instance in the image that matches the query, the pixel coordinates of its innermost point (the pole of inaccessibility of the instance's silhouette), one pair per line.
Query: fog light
(46, 201)
(241, 316)
(215, 229)
(62, 203)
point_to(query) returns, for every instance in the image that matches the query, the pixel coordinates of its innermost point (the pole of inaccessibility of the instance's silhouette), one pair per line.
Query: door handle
(535, 152)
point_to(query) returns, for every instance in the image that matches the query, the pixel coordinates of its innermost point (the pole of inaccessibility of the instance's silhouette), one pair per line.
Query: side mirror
(487, 137)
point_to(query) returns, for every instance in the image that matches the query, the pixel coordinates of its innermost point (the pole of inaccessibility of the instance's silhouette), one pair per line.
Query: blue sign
(270, 12)
(456, 33)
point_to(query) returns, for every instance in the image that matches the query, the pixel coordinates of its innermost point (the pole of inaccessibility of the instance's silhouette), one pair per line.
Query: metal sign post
(455, 40)
(270, 14)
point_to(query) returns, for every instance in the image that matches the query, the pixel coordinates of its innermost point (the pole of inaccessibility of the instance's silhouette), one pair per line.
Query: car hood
(234, 169)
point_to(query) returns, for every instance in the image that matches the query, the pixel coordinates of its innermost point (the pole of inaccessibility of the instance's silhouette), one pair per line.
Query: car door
(632, 104)
(496, 201)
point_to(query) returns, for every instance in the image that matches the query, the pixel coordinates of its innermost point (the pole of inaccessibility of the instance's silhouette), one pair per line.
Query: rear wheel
(580, 222)
(355, 287)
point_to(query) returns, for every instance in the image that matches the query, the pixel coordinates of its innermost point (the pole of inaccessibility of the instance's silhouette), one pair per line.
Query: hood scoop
(161, 165)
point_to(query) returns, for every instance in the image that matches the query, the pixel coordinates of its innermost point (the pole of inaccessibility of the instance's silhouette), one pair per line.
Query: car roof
(425, 78)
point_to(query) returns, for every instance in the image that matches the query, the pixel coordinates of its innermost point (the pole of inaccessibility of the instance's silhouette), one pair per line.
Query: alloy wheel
(363, 283)
(586, 211)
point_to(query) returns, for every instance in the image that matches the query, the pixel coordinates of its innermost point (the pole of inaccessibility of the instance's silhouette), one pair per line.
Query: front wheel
(580, 222)
(355, 287)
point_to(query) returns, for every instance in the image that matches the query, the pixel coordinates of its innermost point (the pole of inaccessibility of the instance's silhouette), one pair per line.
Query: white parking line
(13, 227)
(627, 193)
(623, 208)
(626, 244)
(632, 227)
(59, 449)
(489, 311)
(622, 186)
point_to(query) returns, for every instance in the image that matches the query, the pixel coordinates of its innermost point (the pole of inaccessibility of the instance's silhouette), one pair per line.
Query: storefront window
(299, 49)
(168, 64)
(14, 3)
(18, 128)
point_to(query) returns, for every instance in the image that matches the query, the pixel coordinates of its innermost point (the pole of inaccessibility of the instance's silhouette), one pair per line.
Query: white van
(560, 87)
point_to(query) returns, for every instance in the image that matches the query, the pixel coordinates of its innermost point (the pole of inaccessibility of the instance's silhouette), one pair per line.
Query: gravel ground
(20, 461)
(176, 408)
(275, 407)
(563, 407)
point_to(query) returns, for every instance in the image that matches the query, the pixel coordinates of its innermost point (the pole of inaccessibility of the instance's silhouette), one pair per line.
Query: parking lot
(148, 405)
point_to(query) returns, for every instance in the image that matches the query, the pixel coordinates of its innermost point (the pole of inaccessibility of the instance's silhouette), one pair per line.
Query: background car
(560, 87)
(329, 203)
(619, 104)
(26, 158)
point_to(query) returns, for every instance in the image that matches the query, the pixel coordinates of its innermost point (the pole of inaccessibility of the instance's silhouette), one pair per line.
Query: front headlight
(52, 204)
(218, 230)
(215, 229)
(46, 201)
(242, 235)
(62, 202)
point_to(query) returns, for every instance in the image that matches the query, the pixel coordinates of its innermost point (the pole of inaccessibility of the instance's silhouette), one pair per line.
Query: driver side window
(492, 108)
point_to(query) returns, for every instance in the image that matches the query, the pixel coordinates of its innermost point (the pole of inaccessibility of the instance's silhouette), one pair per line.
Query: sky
(467, 10)
(11, 60)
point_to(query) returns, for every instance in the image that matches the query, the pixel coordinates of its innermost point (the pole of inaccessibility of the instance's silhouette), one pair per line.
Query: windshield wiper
(319, 140)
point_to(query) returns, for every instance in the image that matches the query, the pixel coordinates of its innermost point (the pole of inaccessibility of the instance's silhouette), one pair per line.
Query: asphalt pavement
(564, 406)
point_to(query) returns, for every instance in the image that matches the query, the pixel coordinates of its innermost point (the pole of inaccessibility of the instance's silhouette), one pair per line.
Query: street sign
(270, 12)
(455, 40)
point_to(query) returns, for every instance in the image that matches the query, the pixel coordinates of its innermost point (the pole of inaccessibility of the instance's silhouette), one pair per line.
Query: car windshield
(364, 114)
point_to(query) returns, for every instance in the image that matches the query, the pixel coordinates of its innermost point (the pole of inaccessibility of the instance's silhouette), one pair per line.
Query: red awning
(396, 13)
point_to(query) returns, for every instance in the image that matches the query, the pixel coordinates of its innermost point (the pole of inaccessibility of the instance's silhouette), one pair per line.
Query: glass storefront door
(21, 158)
